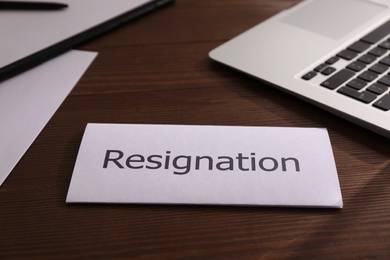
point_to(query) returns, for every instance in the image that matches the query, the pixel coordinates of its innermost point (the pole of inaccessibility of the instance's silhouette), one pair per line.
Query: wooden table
(157, 71)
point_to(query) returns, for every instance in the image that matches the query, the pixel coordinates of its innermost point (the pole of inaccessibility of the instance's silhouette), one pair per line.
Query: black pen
(19, 5)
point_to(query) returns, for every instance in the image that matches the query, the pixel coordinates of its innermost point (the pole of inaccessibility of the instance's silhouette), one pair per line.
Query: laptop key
(328, 71)
(377, 34)
(385, 60)
(357, 84)
(347, 54)
(309, 75)
(367, 58)
(385, 80)
(377, 88)
(332, 60)
(368, 76)
(377, 51)
(321, 67)
(379, 68)
(359, 46)
(338, 78)
(385, 45)
(383, 103)
(364, 96)
(356, 66)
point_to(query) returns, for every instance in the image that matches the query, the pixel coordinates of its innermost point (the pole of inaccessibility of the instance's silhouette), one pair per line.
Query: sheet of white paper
(226, 165)
(29, 100)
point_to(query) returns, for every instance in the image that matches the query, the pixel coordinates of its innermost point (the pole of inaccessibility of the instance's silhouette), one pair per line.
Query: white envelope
(212, 165)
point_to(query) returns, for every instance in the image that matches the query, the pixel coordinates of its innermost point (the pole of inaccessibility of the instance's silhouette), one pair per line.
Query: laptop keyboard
(366, 76)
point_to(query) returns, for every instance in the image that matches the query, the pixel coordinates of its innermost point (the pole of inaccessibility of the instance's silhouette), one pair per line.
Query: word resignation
(183, 164)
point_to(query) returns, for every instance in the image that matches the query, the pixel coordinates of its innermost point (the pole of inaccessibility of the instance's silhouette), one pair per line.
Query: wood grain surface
(156, 70)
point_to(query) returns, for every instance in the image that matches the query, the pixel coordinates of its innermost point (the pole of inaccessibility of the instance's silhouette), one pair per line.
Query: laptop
(333, 53)
(30, 37)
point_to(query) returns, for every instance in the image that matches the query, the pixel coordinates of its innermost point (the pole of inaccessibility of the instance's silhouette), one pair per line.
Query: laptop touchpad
(333, 18)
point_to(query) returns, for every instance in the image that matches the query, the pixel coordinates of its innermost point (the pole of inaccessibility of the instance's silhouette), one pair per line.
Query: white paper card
(215, 165)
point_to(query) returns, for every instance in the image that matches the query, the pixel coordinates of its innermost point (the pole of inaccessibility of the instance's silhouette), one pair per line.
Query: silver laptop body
(332, 53)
